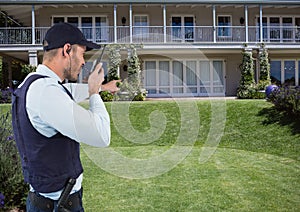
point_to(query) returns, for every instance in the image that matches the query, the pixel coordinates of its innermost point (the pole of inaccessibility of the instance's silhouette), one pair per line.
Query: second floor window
(94, 28)
(140, 25)
(224, 26)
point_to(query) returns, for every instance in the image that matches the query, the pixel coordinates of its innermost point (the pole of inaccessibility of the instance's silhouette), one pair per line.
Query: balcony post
(165, 23)
(33, 57)
(32, 25)
(246, 24)
(115, 23)
(260, 23)
(214, 23)
(130, 22)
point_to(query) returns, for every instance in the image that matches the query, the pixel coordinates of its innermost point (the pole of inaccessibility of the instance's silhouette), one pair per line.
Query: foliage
(4, 83)
(286, 99)
(106, 96)
(12, 185)
(140, 96)
(2, 200)
(248, 89)
(247, 84)
(5, 95)
(264, 66)
(19, 72)
(6, 21)
(132, 86)
(1, 74)
(264, 77)
(27, 69)
(114, 62)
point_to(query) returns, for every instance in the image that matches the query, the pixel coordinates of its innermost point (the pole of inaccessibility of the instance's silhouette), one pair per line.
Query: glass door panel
(189, 28)
(140, 23)
(287, 31)
(101, 29)
(264, 27)
(289, 72)
(176, 29)
(177, 77)
(204, 77)
(191, 76)
(297, 29)
(274, 29)
(218, 77)
(150, 75)
(86, 27)
(275, 71)
(164, 77)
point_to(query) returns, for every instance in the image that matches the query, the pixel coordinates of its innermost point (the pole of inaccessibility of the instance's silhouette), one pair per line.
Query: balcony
(162, 35)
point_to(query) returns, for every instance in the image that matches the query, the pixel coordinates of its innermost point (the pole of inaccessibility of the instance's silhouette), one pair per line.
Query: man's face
(76, 62)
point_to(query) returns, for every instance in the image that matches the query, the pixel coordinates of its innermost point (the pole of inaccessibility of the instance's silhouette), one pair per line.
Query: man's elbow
(106, 142)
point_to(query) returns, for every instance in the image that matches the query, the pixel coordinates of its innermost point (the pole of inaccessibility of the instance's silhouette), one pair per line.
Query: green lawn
(154, 161)
(238, 155)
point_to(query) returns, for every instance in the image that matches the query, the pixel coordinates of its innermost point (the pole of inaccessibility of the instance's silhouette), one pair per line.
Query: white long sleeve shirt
(51, 110)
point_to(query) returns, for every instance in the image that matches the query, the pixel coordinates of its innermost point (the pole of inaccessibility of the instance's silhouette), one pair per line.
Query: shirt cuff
(96, 103)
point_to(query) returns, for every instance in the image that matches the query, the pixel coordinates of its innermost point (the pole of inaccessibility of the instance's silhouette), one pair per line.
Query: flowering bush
(12, 185)
(2, 198)
(286, 99)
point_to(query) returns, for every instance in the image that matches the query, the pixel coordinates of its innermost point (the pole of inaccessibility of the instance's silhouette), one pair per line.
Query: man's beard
(69, 76)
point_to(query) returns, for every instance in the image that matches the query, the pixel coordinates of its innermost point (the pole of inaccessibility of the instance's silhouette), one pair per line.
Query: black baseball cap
(61, 33)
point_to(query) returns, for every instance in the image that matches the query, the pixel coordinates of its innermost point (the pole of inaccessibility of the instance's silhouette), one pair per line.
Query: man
(49, 125)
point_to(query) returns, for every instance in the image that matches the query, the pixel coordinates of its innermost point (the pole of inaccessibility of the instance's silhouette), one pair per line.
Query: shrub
(106, 96)
(286, 99)
(5, 95)
(246, 88)
(264, 67)
(12, 185)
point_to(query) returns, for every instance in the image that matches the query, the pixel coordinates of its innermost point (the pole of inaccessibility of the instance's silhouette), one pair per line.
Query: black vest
(47, 163)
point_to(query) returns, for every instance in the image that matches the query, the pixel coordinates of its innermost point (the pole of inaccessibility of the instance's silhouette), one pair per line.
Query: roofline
(262, 2)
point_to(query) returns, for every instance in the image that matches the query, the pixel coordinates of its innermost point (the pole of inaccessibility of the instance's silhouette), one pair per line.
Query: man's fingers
(97, 68)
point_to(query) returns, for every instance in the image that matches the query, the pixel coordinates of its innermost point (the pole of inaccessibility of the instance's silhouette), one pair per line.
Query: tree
(264, 77)
(132, 85)
(247, 84)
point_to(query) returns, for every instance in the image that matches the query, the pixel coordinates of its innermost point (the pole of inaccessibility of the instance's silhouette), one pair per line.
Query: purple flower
(1, 200)
(9, 138)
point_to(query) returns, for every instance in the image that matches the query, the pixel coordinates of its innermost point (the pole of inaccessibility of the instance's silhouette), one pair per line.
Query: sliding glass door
(184, 78)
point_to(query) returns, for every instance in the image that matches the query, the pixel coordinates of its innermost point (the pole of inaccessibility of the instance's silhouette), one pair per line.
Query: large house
(189, 48)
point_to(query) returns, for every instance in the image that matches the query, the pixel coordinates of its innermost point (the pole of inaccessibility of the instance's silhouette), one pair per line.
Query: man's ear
(68, 49)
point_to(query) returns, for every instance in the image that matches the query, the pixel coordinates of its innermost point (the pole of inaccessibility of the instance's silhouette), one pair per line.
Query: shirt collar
(44, 70)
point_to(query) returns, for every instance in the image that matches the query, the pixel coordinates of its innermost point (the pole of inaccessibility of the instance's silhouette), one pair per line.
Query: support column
(130, 22)
(260, 23)
(115, 24)
(214, 23)
(33, 25)
(165, 23)
(33, 60)
(246, 24)
(7, 72)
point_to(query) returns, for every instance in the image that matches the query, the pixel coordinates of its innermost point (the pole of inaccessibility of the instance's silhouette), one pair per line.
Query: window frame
(229, 27)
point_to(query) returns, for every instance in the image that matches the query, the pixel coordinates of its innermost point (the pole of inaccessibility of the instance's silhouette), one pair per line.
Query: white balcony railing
(160, 35)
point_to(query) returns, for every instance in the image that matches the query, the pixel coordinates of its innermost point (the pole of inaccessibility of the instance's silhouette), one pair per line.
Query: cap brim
(90, 45)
